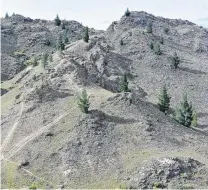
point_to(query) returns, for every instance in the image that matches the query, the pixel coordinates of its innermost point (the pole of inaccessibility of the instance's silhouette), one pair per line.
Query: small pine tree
(57, 21)
(6, 15)
(127, 13)
(86, 35)
(184, 114)
(175, 61)
(121, 42)
(124, 84)
(151, 45)
(50, 58)
(149, 28)
(83, 101)
(194, 121)
(60, 45)
(157, 49)
(44, 59)
(164, 100)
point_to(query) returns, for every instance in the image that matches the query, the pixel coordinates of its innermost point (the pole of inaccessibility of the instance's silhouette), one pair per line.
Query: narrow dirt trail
(31, 137)
(11, 132)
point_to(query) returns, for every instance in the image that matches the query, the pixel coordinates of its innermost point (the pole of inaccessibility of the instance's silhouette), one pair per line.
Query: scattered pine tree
(124, 84)
(175, 61)
(57, 21)
(83, 101)
(127, 13)
(86, 35)
(164, 100)
(184, 114)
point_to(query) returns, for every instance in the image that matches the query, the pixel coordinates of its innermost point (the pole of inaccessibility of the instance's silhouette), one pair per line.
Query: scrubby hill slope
(52, 144)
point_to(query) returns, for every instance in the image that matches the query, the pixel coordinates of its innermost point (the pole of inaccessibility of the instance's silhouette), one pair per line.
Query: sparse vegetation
(124, 84)
(19, 53)
(66, 39)
(127, 13)
(60, 45)
(44, 59)
(166, 30)
(6, 15)
(194, 121)
(33, 61)
(157, 49)
(83, 101)
(151, 45)
(50, 58)
(162, 40)
(164, 100)
(184, 114)
(86, 35)
(63, 26)
(175, 61)
(33, 186)
(121, 42)
(149, 28)
(57, 21)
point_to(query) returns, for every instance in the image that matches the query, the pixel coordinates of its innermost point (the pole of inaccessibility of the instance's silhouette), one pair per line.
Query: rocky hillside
(24, 37)
(47, 142)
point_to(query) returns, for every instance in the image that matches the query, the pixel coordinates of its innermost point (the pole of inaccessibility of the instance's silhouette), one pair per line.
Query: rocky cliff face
(47, 141)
